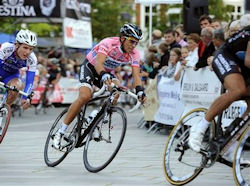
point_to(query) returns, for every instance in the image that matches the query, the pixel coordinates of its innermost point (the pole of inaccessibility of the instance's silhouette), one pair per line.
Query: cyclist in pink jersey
(106, 56)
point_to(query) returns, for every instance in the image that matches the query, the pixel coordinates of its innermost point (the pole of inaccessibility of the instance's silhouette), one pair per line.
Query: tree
(106, 17)
(218, 9)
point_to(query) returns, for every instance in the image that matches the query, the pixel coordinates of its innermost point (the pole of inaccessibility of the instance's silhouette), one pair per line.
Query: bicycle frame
(81, 119)
(227, 141)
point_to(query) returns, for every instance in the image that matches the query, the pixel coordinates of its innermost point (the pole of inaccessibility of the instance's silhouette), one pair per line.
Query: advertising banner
(77, 33)
(78, 9)
(200, 88)
(170, 105)
(28, 8)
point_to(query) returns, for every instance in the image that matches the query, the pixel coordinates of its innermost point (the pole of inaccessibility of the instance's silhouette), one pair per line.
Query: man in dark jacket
(206, 37)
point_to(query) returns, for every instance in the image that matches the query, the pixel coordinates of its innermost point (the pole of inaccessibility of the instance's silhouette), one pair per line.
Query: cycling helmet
(131, 30)
(26, 37)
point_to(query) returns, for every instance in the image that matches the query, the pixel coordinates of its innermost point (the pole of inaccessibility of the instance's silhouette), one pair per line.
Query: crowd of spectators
(197, 49)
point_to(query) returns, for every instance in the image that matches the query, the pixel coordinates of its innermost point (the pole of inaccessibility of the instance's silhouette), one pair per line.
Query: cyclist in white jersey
(15, 56)
(106, 56)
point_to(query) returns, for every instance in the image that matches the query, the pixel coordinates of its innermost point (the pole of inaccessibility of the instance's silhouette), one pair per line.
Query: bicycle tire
(95, 165)
(242, 151)
(172, 169)
(68, 140)
(5, 122)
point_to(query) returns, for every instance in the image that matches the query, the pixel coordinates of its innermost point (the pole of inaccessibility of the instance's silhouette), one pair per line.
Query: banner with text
(78, 9)
(25, 8)
(77, 33)
(200, 88)
(170, 105)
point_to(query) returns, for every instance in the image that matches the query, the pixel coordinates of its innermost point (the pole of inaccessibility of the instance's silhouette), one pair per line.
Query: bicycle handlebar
(121, 89)
(13, 88)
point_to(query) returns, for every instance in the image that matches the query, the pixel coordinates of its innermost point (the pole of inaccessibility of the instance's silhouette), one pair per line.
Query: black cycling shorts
(88, 75)
(224, 64)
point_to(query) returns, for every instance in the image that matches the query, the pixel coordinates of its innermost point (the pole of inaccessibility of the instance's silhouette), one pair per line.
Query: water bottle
(92, 115)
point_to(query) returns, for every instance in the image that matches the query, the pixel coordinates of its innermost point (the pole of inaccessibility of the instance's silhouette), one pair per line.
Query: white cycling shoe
(196, 135)
(57, 140)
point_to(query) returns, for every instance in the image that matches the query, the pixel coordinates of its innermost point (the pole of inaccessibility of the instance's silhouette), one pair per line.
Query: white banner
(69, 89)
(200, 88)
(170, 105)
(236, 109)
(77, 33)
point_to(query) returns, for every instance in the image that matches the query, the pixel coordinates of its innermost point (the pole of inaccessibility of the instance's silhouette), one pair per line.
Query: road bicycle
(110, 124)
(181, 164)
(5, 110)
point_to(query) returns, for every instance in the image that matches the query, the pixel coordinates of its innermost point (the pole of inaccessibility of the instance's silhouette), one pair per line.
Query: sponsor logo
(16, 8)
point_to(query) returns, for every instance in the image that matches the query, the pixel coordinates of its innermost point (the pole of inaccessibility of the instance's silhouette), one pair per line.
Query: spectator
(205, 21)
(184, 52)
(156, 37)
(180, 35)
(234, 27)
(206, 37)
(171, 43)
(216, 24)
(218, 40)
(175, 56)
(193, 42)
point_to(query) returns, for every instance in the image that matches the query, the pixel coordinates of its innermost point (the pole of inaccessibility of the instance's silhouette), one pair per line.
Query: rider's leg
(236, 88)
(84, 96)
(13, 95)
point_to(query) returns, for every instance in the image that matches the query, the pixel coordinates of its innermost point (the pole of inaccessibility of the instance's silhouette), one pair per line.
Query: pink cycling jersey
(111, 47)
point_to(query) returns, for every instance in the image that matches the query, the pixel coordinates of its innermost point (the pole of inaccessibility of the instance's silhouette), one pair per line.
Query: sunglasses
(132, 41)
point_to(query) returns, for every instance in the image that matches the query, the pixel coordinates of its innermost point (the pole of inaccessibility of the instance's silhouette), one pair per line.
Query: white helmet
(26, 37)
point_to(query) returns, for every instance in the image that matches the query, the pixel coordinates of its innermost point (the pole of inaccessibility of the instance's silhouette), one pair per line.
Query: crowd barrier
(65, 92)
(169, 100)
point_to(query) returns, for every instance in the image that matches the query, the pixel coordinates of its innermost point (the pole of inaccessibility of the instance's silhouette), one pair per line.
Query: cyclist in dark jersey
(232, 66)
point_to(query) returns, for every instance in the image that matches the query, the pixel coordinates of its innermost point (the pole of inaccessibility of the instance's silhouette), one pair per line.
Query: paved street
(139, 162)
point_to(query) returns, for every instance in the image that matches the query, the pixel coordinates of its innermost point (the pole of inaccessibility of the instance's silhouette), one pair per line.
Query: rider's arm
(247, 57)
(136, 76)
(29, 82)
(99, 65)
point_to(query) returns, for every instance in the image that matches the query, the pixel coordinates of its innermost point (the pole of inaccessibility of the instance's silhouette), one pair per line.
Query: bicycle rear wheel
(181, 164)
(5, 117)
(98, 153)
(241, 163)
(52, 156)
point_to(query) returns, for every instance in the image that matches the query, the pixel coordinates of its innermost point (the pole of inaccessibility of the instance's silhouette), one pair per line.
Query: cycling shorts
(89, 77)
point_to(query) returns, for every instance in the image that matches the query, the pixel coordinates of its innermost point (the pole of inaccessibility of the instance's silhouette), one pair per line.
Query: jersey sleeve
(136, 59)
(32, 63)
(104, 47)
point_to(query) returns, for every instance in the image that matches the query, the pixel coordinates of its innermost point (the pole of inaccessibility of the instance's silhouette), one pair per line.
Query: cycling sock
(63, 128)
(204, 124)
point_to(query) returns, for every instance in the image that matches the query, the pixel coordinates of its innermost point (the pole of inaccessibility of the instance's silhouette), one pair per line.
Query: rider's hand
(141, 94)
(25, 103)
(106, 78)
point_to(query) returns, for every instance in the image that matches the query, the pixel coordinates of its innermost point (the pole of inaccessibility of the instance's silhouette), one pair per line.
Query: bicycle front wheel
(241, 163)
(5, 113)
(181, 164)
(105, 139)
(53, 156)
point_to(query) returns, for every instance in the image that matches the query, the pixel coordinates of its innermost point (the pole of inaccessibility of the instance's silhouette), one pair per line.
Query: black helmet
(131, 30)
